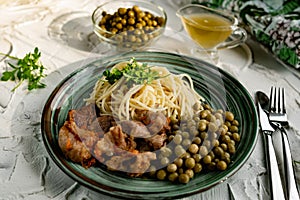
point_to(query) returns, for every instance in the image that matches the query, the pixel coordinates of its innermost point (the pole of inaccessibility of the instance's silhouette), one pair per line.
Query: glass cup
(211, 29)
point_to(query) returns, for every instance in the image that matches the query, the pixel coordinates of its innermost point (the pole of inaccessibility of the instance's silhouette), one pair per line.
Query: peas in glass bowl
(129, 25)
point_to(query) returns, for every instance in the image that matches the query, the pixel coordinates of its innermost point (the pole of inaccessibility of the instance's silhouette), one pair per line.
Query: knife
(277, 192)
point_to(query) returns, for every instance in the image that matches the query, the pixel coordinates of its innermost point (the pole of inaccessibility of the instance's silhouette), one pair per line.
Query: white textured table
(62, 31)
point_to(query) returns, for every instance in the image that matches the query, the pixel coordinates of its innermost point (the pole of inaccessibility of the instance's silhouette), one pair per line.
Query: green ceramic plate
(219, 89)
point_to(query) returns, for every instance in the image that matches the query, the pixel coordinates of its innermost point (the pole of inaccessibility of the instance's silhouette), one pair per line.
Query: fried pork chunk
(86, 118)
(118, 152)
(113, 143)
(76, 143)
(80, 133)
(134, 164)
(156, 122)
(87, 138)
(135, 128)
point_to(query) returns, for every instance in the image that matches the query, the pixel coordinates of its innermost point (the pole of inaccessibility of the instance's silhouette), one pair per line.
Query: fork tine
(278, 100)
(272, 100)
(283, 101)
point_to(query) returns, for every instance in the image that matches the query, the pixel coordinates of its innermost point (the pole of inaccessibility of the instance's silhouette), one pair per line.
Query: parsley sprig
(138, 73)
(28, 68)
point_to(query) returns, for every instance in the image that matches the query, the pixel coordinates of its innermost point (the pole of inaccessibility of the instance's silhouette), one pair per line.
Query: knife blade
(277, 192)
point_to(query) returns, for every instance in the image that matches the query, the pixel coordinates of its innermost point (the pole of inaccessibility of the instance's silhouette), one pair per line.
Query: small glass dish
(129, 35)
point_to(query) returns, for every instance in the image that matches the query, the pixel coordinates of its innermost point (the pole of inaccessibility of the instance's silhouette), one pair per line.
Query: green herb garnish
(28, 68)
(134, 72)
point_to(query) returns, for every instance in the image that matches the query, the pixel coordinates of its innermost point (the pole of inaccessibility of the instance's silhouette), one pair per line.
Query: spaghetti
(172, 94)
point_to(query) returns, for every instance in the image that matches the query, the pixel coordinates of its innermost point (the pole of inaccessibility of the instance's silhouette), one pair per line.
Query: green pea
(203, 135)
(152, 170)
(185, 134)
(202, 125)
(161, 174)
(226, 157)
(190, 163)
(219, 116)
(231, 148)
(236, 137)
(178, 162)
(173, 176)
(234, 129)
(197, 157)
(190, 173)
(212, 127)
(172, 168)
(183, 178)
(179, 150)
(212, 154)
(130, 13)
(207, 159)
(215, 142)
(204, 114)
(197, 140)
(235, 122)
(131, 21)
(164, 161)
(194, 148)
(225, 139)
(186, 155)
(122, 11)
(211, 118)
(207, 107)
(203, 150)
(219, 151)
(224, 146)
(165, 151)
(197, 168)
(180, 171)
(177, 139)
(206, 143)
(229, 116)
(186, 142)
(221, 165)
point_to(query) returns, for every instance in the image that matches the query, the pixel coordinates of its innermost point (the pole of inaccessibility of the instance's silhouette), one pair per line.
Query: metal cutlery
(275, 180)
(278, 116)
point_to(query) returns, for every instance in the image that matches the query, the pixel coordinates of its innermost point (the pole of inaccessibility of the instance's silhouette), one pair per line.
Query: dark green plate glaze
(220, 90)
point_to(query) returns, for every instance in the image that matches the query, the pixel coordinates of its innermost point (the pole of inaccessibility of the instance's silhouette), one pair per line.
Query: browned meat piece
(76, 143)
(156, 122)
(102, 124)
(135, 129)
(118, 138)
(141, 164)
(119, 163)
(114, 142)
(157, 141)
(103, 148)
(134, 164)
(84, 116)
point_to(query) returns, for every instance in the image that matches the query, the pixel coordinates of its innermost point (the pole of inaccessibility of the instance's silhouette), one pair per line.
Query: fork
(278, 116)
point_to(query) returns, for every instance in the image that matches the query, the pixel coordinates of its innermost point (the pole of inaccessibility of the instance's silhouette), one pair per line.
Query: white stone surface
(27, 171)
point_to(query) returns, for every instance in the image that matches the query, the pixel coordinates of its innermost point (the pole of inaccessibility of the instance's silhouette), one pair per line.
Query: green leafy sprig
(28, 68)
(134, 72)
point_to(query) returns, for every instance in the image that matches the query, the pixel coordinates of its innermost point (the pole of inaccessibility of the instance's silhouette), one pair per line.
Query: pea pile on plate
(206, 141)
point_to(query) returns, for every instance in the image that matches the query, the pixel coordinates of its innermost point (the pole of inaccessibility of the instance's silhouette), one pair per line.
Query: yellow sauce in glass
(208, 30)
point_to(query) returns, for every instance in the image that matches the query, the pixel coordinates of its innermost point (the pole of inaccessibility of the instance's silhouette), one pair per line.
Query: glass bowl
(129, 34)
